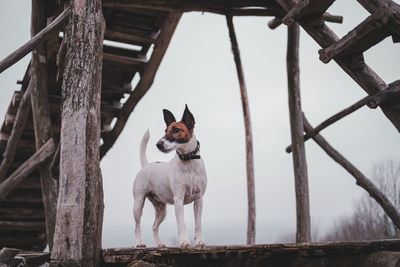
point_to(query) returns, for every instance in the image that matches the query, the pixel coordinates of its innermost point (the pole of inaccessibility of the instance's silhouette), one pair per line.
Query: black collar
(190, 155)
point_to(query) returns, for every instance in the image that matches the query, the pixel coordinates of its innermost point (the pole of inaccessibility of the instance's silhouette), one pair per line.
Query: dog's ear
(188, 118)
(168, 117)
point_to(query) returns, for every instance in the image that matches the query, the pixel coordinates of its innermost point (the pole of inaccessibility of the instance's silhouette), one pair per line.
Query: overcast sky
(198, 70)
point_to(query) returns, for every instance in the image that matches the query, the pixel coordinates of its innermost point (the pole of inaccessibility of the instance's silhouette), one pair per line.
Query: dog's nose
(160, 144)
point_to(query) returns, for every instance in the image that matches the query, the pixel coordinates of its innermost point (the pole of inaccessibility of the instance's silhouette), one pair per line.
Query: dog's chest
(194, 180)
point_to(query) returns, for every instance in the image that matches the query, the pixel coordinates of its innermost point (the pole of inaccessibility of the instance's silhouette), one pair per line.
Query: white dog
(180, 181)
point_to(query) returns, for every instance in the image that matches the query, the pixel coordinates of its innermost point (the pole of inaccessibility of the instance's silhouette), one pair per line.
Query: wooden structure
(38, 136)
(351, 254)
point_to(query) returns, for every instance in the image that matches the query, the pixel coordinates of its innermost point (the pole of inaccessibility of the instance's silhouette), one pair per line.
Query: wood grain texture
(41, 117)
(77, 239)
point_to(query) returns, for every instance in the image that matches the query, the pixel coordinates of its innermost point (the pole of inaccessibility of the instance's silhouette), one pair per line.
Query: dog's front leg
(179, 213)
(198, 207)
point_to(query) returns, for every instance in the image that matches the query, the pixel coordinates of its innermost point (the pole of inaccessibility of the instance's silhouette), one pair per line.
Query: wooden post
(77, 238)
(41, 117)
(296, 126)
(251, 200)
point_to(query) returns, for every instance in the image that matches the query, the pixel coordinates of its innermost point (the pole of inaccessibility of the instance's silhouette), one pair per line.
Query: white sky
(198, 70)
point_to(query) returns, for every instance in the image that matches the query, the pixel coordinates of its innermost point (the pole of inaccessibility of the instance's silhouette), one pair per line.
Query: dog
(180, 181)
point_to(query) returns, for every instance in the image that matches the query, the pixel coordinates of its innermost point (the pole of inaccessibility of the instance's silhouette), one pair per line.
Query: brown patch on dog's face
(178, 132)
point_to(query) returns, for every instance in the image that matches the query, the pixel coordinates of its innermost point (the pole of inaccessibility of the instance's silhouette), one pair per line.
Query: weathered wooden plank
(77, 238)
(251, 199)
(303, 233)
(27, 168)
(34, 42)
(16, 132)
(331, 120)
(361, 179)
(119, 36)
(145, 82)
(124, 59)
(16, 225)
(379, 252)
(361, 38)
(277, 21)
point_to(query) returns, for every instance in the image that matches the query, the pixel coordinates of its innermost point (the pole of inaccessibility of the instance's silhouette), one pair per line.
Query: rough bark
(296, 126)
(41, 117)
(251, 200)
(77, 239)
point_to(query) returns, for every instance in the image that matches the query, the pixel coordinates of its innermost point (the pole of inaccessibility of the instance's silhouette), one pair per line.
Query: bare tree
(369, 221)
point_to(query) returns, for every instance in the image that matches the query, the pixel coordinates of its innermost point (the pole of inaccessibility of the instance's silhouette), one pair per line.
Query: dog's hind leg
(161, 213)
(137, 214)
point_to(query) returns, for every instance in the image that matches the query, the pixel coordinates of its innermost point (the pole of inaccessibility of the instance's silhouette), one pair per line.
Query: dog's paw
(161, 245)
(140, 245)
(185, 244)
(200, 243)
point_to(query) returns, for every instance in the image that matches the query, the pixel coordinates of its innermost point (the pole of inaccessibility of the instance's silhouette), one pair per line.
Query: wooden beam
(44, 153)
(251, 199)
(277, 21)
(303, 232)
(167, 31)
(361, 179)
(331, 120)
(304, 8)
(16, 132)
(189, 5)
(353, 65)
(41, 117)
(361, 38)
(77, 238)
(34, 42)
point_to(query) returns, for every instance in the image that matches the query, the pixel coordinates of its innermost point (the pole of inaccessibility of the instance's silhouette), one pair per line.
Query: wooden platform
(137, 35)
(382, 253)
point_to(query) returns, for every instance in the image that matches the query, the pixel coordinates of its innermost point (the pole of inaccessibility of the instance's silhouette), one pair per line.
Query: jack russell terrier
(178, 182)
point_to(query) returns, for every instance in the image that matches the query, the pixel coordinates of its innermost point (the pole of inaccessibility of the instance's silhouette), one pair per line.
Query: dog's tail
(143, 146)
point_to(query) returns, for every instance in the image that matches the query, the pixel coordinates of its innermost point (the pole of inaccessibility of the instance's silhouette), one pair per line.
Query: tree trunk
(41, 117)
(297, 130)
(77, 239)
(251, 217)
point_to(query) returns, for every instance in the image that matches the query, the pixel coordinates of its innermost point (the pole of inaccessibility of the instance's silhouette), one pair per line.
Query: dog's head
(177, 133)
